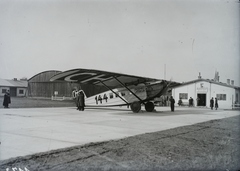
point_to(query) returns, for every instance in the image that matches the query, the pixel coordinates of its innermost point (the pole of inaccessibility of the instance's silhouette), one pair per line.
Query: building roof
(13, 83)
(210, 81)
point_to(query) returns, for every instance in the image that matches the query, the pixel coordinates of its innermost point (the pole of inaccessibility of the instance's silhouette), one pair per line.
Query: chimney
(232, 82)
(216, 77)
(228, 81)
(199, 76)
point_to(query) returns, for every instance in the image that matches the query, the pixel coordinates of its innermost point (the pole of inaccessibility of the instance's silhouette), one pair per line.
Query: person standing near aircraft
(197, 100)
(216, 103)
(211, 103)
(180, 102)
(172, 102)
(7, 99)
(191, 102)
(75, 96)
(81, 101)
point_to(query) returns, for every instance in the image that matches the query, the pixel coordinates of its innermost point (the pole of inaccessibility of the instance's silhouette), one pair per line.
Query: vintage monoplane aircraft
(129, 90)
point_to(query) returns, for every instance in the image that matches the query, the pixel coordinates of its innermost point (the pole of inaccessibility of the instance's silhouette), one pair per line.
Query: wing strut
(115, 93)
(163, 90)
(128, 89)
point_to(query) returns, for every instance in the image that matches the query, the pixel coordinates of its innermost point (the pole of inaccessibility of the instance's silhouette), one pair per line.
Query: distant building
(202, 90)
(17, 88)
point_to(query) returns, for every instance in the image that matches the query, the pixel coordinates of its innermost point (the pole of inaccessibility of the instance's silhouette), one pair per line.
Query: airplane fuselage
(122, 96)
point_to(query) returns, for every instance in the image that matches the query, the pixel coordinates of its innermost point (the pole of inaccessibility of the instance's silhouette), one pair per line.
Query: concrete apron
(33, 130)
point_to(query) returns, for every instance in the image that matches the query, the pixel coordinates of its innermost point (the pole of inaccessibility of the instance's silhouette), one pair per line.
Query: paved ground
(24, 102)
(208, 146)
(29, 131)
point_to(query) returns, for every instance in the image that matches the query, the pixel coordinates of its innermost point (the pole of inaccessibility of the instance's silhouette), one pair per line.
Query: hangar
(18, 88)
(40, 86)
(202, 90)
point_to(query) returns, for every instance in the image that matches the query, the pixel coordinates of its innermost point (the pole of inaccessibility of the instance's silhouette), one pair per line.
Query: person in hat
(6, 99)
(216, 103)
(81, 101)
(211, 103)
(172, 101)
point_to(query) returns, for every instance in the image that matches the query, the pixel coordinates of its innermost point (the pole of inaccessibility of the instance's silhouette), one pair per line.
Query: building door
(13, 91)
(201, 99)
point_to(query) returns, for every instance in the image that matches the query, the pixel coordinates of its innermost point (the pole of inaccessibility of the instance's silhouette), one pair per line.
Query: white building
(202, 90)
(17, 88)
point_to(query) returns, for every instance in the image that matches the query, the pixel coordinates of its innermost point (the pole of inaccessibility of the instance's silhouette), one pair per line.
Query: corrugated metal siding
(47, 89)
(40, 86)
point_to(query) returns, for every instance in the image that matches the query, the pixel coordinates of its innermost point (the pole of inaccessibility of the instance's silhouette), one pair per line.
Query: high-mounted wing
(97, 77)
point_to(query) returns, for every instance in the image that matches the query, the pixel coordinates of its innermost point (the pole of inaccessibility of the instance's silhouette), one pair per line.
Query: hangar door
(201, 101)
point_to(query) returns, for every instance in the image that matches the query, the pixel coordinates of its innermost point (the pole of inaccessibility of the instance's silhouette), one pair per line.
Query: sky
(137, 37)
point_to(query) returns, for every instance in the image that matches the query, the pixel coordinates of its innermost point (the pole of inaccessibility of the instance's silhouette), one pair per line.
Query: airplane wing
(97, 77)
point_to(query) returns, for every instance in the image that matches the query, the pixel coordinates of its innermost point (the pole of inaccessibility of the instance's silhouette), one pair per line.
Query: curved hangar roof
(43, 76)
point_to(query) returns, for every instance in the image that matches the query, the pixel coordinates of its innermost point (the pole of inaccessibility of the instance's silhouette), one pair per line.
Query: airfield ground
(23, 102)
(188, 139)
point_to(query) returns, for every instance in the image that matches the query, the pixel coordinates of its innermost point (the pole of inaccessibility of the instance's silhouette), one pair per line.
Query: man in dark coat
(7, 99)
(191, 102)
(216, 103)
(211, 103)
(172, 101)
(81, 101)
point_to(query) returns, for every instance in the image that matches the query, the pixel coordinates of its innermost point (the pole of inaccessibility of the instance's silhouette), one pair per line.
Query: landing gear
(135, 107)
(149, 106)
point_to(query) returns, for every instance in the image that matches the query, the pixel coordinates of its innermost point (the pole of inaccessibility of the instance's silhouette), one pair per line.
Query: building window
(183, 96)
(116, 94)
(111, 95)
(21, 91)
(4, 90)
(236, 98)
(122, 93)
(221, 96)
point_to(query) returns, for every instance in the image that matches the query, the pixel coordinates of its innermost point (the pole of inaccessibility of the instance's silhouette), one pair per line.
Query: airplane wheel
(135, 107)
(149, 106)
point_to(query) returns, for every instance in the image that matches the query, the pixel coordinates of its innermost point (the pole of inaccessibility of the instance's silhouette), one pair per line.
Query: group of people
(212, 104)
(79, 98)
(190, 102)
(6, 99)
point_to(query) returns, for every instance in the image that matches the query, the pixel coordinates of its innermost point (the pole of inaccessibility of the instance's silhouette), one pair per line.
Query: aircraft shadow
(154, 113)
